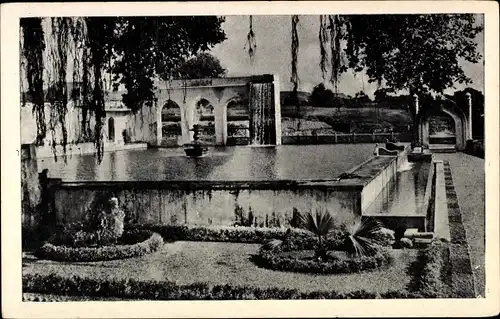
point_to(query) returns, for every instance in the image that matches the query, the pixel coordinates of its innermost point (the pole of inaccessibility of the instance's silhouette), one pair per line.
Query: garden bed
(131, 244)
(219, 264)
(202, 268)
(338, 262)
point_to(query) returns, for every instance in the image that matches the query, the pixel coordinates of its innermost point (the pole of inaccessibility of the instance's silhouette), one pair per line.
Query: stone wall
(30, 189)
(219, 203)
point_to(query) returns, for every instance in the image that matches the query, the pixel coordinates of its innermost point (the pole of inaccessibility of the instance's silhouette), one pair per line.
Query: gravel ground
(468, 179)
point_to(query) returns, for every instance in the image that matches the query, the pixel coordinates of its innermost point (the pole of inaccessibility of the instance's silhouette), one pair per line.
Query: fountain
(195, 149)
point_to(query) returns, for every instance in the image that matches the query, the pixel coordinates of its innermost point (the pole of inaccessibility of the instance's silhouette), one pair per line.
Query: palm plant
(272, 245)
(361, 238)
(320, 224)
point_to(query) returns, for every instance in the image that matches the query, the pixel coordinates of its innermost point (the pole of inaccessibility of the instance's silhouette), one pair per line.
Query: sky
(273, 37)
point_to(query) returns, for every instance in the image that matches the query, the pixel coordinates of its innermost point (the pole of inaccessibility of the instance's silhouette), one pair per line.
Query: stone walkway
(468, 178)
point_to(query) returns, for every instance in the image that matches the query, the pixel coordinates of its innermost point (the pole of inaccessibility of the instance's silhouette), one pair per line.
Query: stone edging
(87, 254)
(273, 260)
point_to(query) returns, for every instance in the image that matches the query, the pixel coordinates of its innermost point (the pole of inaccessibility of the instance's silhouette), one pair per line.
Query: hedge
(430, 279)
(299, 238)
(276, 261)
(86, 254)
(166, 290)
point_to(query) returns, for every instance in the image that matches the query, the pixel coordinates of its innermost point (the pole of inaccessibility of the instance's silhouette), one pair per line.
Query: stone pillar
(417, 129)
(469, 126)
(159, 124)
(415, 100)
(277, 108)
(220, 123)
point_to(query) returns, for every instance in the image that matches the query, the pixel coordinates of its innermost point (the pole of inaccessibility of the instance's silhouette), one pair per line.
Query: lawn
(366, 119)
(227, 263)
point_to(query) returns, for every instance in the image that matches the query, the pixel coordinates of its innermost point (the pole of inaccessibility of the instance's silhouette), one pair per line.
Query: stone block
(410, 232)
(385, 152)
(422, 242)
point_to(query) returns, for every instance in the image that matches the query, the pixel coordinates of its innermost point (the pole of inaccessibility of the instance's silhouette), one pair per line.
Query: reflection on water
(222, 163)
(405, 195)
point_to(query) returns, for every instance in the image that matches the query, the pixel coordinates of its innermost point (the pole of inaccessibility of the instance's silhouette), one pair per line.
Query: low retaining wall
(378, 182)
(84, 148)
(268, 203)
(441, 223)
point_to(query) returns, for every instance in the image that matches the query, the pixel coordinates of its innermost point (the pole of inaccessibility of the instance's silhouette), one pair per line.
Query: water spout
(262, 128)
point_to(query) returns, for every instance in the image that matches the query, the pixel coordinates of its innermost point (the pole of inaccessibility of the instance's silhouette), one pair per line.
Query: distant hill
(286, 97)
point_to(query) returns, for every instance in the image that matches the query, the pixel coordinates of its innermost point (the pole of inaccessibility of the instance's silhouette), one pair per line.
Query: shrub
(166, 290)
(405, 243)
(431, 283)
(85, 254)
(362, 238)
(385, 237)
(276, 260)
(321, 224)
(296, 238)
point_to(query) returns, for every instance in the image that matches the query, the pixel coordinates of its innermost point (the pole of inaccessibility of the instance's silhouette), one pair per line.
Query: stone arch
(204, 115)
(453, 111)
(111, 129)
(204, 109)
(238, 121)
(171, 128)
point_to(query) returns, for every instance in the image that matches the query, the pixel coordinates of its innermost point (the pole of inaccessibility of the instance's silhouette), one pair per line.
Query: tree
(381, 94)
(321, 96)
(362, 97)
(417, 53)
(203, 65)
(134, 50)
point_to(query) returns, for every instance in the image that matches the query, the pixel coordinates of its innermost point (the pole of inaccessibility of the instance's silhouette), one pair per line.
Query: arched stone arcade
(206, 102)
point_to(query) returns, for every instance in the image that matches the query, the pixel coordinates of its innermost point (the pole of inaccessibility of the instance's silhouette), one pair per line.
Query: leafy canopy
(203, 65)
(418, 53)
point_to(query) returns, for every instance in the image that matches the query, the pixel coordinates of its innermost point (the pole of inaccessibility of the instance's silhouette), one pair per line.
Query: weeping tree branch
(32, 51)
(335, 49)
(323, 41)
(251, 44)
(58, 89)
(294, 67)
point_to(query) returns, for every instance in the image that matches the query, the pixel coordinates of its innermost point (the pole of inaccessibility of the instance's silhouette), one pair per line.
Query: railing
(342, 138)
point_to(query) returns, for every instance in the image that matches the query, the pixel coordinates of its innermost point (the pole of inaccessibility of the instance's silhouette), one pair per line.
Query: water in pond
(405, 195)
(224, 163)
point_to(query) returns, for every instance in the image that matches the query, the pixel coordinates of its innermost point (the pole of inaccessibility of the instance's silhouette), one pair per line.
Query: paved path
(468, 178)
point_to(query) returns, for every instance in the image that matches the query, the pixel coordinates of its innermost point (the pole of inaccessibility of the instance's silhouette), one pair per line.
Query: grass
(227, 263)
(384, 117)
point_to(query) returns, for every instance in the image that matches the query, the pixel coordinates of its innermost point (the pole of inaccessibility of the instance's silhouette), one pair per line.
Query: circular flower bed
(337, 262)
(131, 244)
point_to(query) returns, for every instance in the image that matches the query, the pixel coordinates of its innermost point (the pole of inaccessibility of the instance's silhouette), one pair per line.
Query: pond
(286, 162)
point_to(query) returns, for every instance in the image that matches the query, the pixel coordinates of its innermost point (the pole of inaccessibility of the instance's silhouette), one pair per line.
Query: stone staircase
(442, 148)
